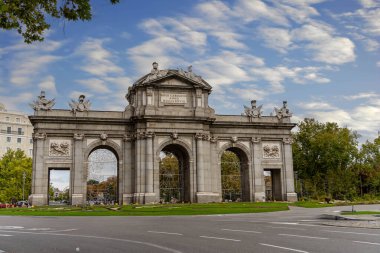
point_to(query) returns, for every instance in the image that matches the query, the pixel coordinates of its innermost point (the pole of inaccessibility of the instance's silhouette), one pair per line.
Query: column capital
(128, 137)
(213, 139)
(78, 137)
(149, 134)
(256, 139)
(199, 136)
(287, 140)
(39, 136)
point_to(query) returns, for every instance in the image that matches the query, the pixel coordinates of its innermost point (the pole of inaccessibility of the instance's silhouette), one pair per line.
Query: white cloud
(316, 106)
(362, 95)
(13, 103)
(48, 84)
(75, 94)
(25, 66)
(378, 64)
(370, 3)
(95, 85)
(276, 38)
(98, 60)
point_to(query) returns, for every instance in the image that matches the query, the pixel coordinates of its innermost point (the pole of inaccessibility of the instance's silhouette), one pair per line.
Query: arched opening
(234, 175)
(102, 177)
(174, 174)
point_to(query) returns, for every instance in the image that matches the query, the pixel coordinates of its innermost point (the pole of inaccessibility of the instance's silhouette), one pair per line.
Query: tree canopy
(329, 162)
(28, 17)
(12, 167)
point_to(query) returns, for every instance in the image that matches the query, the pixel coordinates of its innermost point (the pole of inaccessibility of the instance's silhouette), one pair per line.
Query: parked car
(22, 203)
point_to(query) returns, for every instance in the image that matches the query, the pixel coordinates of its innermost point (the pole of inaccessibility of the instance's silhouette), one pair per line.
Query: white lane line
(220, 238)
(304, 236)
(373, 243)
(346, 232)
(308, 220)
(10, 227)
(1, 251)
(244, 231)
(100, 237)
(64, 230)
(5, 235)
(287, 228)
(274, 246)
(161, 232)
(296, 224)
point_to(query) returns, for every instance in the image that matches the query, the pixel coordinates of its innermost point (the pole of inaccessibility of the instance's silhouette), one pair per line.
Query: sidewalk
(358, 221)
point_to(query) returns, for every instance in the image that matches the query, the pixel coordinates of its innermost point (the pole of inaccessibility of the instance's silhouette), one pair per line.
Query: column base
(77, 199)
(291, 197)
(207, 197)
(259, 196)
(150, 198)
(138, 198)
(127, 198)
(38, 199)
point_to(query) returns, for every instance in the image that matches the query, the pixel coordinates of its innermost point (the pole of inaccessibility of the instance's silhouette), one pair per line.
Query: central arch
(174, 174)
(234, 171)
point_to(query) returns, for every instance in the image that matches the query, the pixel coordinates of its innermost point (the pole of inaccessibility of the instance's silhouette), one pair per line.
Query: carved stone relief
(271, 150)
(59, 148)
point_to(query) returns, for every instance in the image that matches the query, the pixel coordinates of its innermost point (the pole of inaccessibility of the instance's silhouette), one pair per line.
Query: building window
(19, 131)
(18, 140)
(17, 120)
(31, 141)
(9, 130)
(6, 118)
(30, 152)
(9, 139)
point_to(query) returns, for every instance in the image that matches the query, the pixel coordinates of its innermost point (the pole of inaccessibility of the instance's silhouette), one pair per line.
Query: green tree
(324, 154)
(230, 172)
(28, 17)
(12, 167)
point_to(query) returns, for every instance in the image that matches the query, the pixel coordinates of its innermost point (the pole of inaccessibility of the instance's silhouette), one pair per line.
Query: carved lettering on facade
(271, 151)
(59, 148)
(173, 98)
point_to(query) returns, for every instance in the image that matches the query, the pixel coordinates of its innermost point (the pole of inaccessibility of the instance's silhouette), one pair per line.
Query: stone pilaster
(288, 169)
(259, 185)
(200, 169)
(127, 191)
(40, 181)
(78, 173)
(140, 168)
(149, 191)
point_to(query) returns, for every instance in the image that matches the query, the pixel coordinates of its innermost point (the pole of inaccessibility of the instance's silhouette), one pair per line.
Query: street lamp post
(23, 185)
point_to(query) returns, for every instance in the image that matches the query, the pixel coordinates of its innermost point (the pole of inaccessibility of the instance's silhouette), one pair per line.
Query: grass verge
(361, 213)
(149, 210)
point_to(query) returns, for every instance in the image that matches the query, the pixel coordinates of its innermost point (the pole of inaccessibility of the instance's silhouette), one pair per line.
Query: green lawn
(150, 210)
(310, 204)
(361, 213)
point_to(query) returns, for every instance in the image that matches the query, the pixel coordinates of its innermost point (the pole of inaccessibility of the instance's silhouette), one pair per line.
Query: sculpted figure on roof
(42, 103)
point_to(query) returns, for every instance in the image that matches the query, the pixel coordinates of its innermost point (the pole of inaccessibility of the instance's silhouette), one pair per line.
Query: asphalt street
(297, 230)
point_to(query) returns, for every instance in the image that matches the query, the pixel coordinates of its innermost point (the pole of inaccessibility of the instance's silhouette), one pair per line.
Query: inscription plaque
(173, 98)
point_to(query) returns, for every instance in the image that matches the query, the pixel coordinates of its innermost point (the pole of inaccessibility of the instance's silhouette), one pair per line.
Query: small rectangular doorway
(272, 179)
(59, 186)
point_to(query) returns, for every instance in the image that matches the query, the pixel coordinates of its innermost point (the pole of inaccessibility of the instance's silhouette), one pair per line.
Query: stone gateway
(168, 113)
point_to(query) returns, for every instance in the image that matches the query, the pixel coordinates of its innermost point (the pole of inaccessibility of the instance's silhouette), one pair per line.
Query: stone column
(140, 167)
(40, 181)
(200, 169)
(149, 191)
(127, 167)
(259, 185)
(288, 170)
(78, 175)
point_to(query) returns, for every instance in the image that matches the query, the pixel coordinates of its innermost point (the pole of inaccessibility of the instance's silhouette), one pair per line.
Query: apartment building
(15, 132)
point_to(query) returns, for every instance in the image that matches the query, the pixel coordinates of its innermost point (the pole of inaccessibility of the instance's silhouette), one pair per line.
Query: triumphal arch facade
(168, 111)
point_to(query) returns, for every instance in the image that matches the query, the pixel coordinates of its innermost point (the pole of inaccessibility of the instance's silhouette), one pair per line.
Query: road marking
(64, 230)
(296, 224)
(1, 251)
(101, 237)
(5, 235)
(37, 229)
(245, 231)
(161, 232)
(287, 228)
(220, 238)
(304, 236)
(308, 220)
(346, 232)
(274, 246)
(10, 227)
(374, 243)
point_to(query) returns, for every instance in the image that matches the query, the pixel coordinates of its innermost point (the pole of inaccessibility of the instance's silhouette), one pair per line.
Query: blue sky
(322, 56)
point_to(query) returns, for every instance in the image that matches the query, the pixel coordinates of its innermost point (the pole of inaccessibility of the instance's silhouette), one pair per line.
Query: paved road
(297, 230)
